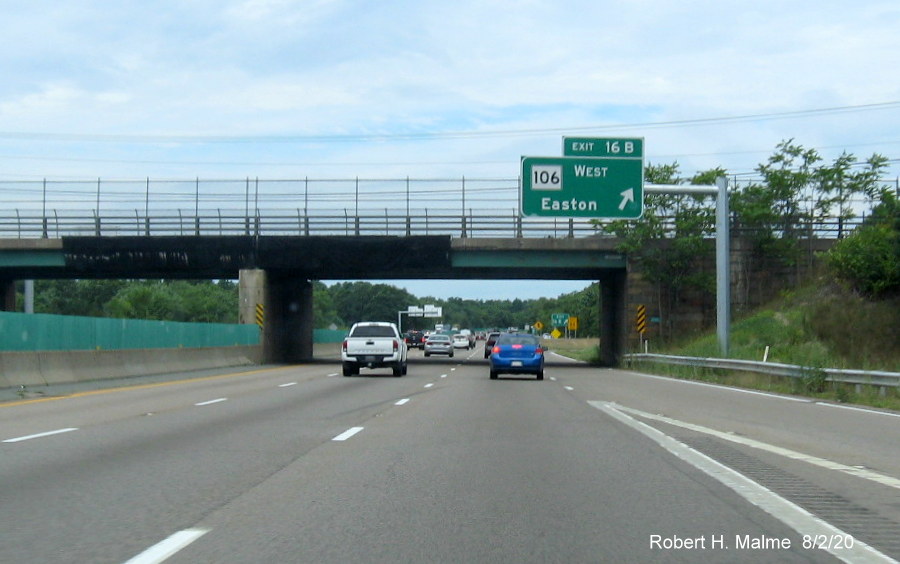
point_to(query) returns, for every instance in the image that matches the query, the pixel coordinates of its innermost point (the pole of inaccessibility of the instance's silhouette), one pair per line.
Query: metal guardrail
(865, 377)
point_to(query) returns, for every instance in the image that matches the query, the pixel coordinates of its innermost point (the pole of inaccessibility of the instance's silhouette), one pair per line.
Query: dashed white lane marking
(429, 385)
(785, 511)
(821, 462)
(348, 433)
(570, 388)
(443, 375)
(210, 402)
(332, 375)
(39, 435)
(288, 385)
(404, 401)
(163, 550)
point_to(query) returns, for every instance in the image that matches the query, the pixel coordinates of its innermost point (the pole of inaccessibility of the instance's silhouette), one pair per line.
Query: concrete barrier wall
(57, 367)
(31, 369)
(327, 351)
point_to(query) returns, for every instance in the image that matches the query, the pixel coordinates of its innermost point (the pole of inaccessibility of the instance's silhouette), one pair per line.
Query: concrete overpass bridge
(277, 271)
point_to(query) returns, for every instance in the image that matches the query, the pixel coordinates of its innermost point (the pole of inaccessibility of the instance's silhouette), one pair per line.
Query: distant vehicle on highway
(461, 341)
(439, 343)
(471, 336)
(415, 339)
(517, 353)
(489, 343)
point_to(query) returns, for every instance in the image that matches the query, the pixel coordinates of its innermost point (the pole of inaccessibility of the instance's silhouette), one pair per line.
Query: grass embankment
(579, 349)
(817, 327)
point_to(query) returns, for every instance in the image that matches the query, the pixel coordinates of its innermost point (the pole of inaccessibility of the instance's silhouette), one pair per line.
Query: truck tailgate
(360, 347)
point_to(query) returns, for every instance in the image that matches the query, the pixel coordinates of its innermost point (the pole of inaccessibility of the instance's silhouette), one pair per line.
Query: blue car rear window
(518, 340)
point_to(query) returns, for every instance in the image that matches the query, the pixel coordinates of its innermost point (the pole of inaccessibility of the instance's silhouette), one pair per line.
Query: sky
(340, 89)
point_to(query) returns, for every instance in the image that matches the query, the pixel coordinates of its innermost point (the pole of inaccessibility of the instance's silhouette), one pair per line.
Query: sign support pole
(723, 267)
(723, 250)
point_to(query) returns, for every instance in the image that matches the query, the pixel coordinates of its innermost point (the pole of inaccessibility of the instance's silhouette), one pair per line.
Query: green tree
(75, 297)
(146, 300)
(200, 301)
(207, 302)
(798, 192)
(325, 311)
(363, 301)
(869, 259)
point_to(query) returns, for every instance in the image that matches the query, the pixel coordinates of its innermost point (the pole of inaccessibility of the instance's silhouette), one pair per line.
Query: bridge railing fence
(497, 223)
(461, 207)
(500, 224)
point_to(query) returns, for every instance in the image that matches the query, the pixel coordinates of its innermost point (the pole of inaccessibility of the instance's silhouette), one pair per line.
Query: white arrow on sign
(627, 196)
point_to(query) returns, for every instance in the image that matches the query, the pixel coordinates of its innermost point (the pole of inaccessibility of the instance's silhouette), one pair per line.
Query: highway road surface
(299, 464)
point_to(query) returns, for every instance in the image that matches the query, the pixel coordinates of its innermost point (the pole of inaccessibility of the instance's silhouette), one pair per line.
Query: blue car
(516, 353)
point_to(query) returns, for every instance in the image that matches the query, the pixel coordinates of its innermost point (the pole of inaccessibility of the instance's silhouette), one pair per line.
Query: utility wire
(359, 137)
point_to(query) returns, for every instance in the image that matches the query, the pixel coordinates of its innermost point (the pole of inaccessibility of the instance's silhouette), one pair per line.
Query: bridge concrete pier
(282, 303)
(7, 295)
(613, 329)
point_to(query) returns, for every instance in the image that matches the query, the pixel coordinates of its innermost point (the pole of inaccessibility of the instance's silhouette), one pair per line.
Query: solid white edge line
(210, 402)
(854, 408)
(402, 402)
(168, 547)
(348, 433)
(870, 475)
(39, 435)
(721, 387)
(782, 509)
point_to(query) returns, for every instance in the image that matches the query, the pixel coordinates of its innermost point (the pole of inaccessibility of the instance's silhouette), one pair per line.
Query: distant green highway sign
(559, 319)
(595, 187)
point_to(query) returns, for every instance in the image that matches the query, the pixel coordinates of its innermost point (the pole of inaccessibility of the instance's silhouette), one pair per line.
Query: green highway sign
(595, 187)
(603, 147)
(559, 319)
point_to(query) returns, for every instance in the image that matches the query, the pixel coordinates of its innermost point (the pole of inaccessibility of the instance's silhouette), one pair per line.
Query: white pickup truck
(374, 344)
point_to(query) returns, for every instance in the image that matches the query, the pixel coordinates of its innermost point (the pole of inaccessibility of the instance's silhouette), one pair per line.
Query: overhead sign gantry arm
(723, 249)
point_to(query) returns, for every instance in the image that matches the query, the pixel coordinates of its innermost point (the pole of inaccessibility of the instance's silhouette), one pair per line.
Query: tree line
(339, 305)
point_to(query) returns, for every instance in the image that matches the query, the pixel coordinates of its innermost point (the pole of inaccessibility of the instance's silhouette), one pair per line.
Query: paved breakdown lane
(297, 464)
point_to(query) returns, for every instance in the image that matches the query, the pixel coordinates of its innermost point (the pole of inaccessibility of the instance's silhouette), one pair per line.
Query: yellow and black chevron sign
(640, 321)
(260, 315)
